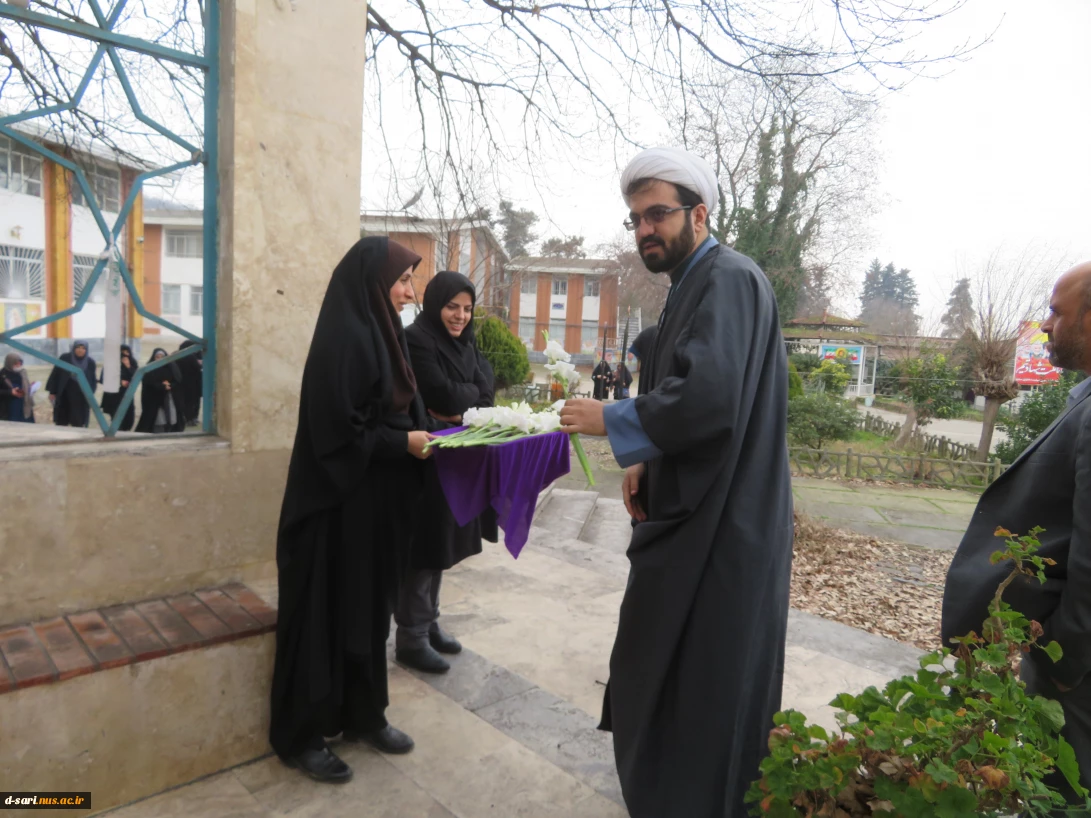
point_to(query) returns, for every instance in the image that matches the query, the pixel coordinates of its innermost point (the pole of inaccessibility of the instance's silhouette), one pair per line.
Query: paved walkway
(510, 731)
(933, 518)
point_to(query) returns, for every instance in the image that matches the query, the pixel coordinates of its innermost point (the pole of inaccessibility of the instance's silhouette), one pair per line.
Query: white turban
(676, 166)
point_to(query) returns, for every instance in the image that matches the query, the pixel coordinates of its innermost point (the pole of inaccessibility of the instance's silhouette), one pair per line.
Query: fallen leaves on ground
(884, 588)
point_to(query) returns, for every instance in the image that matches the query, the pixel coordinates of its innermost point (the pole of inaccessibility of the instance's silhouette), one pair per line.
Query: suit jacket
(1048, 486)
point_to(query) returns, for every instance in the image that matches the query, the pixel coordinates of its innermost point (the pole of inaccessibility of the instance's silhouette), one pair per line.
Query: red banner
(1032, 366)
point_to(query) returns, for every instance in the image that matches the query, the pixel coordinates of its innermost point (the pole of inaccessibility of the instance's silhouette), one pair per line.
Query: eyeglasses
(653, 215)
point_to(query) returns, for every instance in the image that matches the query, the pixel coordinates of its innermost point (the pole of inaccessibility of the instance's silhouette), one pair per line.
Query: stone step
(566, 512)
(609, 526)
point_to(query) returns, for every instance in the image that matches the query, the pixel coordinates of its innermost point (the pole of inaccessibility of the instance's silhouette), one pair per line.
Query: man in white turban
(697, 666)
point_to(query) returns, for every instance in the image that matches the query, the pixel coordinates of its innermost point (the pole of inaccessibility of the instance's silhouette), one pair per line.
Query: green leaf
(1066, 763)
(1053, 651)
(998, 556)
(956, 802)
(1051, 711)
(818, 731)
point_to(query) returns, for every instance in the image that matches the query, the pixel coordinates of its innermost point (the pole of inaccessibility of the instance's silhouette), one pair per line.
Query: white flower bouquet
(503, 424)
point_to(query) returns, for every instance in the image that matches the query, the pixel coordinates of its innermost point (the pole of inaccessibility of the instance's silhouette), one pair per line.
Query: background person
(451, 380)
(112, 400)
(603, 378)
(161, 408)
(347, 519)
(1048, 486)
(16, 402)
(70, 407)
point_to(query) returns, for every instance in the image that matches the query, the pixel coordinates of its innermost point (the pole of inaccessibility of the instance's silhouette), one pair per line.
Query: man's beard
(1068, 350)
(673, 252)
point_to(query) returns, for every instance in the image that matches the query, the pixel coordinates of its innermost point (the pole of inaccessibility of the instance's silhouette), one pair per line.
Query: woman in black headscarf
(346, 522)
(16, 402)
(623, 379)
(192, 383)
(603, 378)
(161, 398)
(69, 405)
(112, 400)
(451, 379)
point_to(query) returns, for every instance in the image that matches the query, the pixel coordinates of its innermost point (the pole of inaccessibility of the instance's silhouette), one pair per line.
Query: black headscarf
(437, 295)
(171, 370)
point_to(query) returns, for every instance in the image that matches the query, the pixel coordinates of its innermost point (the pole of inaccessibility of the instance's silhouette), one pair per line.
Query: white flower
(475, 417)
(563, 371)
(547, 422)
(557, 406)
(555, 352)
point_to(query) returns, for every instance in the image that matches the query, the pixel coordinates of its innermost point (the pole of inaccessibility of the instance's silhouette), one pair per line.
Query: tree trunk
(992, 410)
(907, 429)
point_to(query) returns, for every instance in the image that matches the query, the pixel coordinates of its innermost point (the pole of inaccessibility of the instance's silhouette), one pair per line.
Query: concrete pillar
(291, 130)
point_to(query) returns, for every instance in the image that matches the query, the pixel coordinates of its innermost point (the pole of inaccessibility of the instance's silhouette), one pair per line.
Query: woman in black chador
(623, 379)
(161, 407)
(70, 407)
(346, 522)
(451, 379)
(603, 378)
(111, 401)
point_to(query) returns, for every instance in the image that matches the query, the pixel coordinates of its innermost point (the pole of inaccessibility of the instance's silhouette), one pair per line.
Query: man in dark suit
(1049, 485)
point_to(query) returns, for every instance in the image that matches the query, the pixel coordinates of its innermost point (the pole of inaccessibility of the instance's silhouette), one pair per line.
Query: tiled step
(609, 526)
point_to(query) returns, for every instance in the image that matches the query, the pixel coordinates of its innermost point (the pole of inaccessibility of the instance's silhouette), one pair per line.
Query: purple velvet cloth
(507, 476)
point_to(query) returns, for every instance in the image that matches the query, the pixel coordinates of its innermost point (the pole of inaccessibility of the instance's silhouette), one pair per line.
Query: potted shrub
(960, 738)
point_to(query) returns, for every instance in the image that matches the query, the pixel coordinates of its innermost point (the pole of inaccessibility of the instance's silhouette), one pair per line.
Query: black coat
(451, 380)
(622, 381)
(112, 400)
(154, 396)
(697, 667)
(192, 382)
(603, 376)
(70, 407)
(1048, 486)
(349, 507)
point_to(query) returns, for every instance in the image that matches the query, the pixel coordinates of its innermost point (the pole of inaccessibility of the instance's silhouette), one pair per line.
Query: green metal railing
(108, 42)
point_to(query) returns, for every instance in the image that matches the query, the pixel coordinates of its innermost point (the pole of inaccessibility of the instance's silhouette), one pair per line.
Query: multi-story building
(465, 246)
(575, 300)
(50, 242)
(174, 269)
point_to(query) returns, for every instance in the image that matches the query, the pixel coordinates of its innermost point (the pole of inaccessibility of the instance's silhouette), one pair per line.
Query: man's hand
(583, 416)
(417, 442)
(52, 398)
(17, 392)
(629, 488)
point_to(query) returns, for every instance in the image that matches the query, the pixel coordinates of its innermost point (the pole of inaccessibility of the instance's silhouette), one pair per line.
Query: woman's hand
(17, 392)
(417, 442)
(446, 418)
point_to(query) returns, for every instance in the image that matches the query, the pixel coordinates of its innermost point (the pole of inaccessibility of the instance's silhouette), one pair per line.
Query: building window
(82, 267)
(172, 299)
(556, 331)
(20, 168)
(22, 272)
(105, 185)
(590, 339)
(441, 255)
(196, 300)
(526, 329)
(185, 243)
(560, 285)
(590, 287)
(528, 285)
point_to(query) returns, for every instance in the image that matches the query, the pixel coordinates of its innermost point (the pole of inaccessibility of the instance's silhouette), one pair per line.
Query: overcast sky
(993, 155)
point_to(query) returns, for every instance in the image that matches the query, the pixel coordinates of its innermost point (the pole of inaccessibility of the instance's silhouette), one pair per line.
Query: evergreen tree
(773, 231)
(572, 247)
(517, 226)
(889, 300)
(959, 317)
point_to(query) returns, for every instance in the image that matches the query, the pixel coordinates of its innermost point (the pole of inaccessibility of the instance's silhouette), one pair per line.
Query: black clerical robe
(697, 667)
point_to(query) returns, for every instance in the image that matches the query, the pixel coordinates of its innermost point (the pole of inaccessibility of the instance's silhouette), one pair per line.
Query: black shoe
(388, 740)
(423, 659)
(321, 765)
(443, 641)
